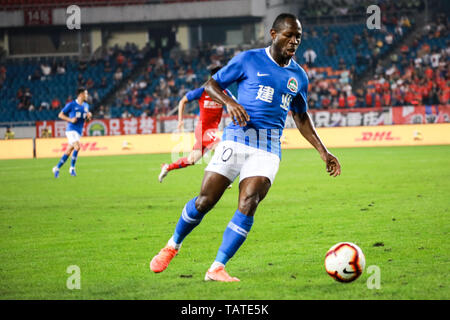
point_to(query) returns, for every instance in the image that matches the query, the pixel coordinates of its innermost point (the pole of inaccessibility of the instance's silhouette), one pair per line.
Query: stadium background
(137, 58)
(380, 87)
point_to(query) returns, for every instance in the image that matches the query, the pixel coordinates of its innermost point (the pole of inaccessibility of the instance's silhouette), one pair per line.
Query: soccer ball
(345, 262)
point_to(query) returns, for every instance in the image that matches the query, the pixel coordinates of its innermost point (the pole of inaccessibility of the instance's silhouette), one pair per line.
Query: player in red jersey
(205, 131)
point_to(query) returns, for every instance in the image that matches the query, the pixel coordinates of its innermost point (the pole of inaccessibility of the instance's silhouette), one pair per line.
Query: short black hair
(215, 69)
(80, 90)
(277, 24)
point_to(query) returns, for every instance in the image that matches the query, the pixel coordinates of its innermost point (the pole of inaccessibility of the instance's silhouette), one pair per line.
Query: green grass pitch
(111, 219)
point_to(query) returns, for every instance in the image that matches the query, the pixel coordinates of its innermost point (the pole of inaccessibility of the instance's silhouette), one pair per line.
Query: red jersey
(210, 115)
(351, 100)
(210, 110)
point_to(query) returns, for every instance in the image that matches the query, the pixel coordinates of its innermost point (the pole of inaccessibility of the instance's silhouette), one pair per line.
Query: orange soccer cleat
(219, 274)
(160, 262)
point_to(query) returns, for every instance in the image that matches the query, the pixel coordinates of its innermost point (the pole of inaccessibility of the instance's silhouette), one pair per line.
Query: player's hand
(73, 120)
(238, 114)
(180, 126)
(89, 116)
(332, 164)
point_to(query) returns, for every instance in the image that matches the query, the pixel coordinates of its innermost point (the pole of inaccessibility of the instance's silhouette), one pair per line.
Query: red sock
(180, 163)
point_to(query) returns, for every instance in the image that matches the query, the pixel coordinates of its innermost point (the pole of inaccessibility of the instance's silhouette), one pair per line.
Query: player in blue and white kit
(270, 83)
(75, 113)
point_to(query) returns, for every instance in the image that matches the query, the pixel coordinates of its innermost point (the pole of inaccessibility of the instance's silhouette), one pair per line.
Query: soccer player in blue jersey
(75, 113)
(270, 83)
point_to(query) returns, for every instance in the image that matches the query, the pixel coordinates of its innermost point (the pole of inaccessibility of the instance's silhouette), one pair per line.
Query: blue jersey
(196, 94)
(267, 91)
(74, 110)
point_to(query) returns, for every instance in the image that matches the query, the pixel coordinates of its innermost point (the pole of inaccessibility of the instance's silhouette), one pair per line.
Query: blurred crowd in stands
(166, 78)
(416, 72)
(328, 8)
(42, 86)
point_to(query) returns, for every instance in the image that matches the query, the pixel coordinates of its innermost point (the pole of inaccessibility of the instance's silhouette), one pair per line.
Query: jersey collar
(76, 101)
(270, 57)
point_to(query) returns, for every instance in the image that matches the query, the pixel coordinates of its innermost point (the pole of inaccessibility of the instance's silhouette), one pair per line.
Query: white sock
(172, 243)
(216, 264)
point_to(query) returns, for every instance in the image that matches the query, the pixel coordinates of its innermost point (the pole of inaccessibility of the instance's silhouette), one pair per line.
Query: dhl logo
(377, 136)
(87, 146)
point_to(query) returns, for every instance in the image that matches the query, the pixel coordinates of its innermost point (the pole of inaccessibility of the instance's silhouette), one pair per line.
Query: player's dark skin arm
(306, 127)
(235, 110)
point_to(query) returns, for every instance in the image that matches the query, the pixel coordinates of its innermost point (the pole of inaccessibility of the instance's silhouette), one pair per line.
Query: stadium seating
(344, 47)
(19, 4)
(19, 75)
(413, 78)
(329, 67)
(170, 74)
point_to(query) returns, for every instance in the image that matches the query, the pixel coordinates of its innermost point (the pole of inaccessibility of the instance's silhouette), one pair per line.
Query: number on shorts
(226, 154)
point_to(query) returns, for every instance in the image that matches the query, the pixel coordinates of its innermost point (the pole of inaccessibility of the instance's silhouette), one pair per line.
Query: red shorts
(205, 137)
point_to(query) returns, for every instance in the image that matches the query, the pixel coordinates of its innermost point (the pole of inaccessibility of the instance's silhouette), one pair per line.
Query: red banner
(421, 114)
(321, 118)
(100, 127)
(37, 16)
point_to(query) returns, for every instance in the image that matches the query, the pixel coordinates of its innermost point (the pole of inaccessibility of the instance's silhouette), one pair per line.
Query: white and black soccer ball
(345, 262)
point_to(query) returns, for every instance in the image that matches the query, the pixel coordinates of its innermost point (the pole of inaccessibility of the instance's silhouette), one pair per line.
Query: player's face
(287, 39)
(84, 95)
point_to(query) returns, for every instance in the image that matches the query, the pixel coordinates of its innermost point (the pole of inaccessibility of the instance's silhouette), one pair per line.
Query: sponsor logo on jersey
(210, 104)
(292, 84)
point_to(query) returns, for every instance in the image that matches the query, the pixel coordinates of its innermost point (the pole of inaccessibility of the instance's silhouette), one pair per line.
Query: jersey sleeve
(233, 71)
(228, 92)
(300, 102)
(195, 94)
(67, 108)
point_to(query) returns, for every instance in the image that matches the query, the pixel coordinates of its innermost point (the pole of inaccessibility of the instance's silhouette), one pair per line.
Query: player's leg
(191, 159)
(256, 177)
(213, 186)
(205, 138)
(65, 156)
(212, 189)
(195, 155)
(252, 191)
(76, 147)
(211, 146)
(183, 162)
(223, 168)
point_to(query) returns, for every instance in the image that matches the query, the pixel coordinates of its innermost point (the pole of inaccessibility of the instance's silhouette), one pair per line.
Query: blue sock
(74, 158)
(190, 218)
(62, 161)
(234, 236)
